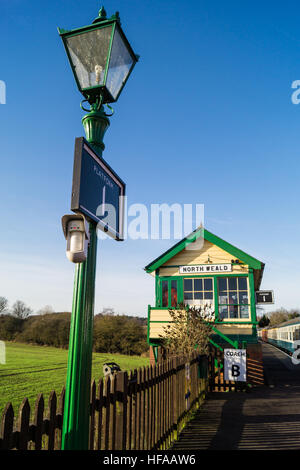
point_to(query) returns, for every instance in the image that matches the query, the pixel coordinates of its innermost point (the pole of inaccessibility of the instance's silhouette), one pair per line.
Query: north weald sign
(205, 268)
(97, 191)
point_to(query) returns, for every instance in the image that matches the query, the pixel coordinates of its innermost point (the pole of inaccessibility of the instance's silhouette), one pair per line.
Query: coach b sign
(235, 364)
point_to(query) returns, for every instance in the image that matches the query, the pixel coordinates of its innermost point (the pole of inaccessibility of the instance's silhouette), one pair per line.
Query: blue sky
(206, 117)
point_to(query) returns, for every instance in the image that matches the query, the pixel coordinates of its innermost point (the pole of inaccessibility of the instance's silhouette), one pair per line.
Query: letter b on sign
(235, 370)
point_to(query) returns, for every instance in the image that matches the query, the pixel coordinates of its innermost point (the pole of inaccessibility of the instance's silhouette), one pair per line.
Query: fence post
(7, 427)
(121, 410)
(38, 421)
(52, 419)
(147, 409)
(23, 424)
(134, 411)
(92, 415)
(100, 406)
(106, 430)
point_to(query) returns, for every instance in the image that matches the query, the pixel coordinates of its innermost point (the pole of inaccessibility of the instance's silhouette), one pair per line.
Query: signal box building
(204, 269)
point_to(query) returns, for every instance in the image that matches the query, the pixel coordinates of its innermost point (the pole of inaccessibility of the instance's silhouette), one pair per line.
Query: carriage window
(233, 298)
(198, 291)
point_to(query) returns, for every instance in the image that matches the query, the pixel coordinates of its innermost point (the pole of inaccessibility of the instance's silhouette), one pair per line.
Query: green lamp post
(101, 59)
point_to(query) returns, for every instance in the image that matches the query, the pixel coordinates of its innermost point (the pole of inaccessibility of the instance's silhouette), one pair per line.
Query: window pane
(198, 284)
(222, 283)
(232, 284)
(208, 295)
(188, 295)
(119, 65)
(198, 295)
(88, 52)
(243, 283)
(244, 311)
(173, 293)
(233, 311)
(243, 298)
(165, 300)
(208, 285)
(223, 312)
(233, 298)
(188, 284)
(223, 298)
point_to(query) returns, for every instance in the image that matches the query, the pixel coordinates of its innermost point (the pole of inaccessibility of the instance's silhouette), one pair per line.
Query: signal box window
(198, 291)
(233, 298)
(169, 293)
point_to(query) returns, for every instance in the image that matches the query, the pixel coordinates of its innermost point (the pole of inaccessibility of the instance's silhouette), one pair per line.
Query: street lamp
(101, 59)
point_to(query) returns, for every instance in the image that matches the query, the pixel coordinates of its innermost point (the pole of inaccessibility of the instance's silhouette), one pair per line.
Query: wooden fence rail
(145, 409)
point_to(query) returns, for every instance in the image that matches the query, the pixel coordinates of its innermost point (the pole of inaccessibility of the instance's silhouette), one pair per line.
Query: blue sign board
(97, 191)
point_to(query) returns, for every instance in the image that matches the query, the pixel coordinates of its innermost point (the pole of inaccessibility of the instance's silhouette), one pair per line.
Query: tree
(20, 310)
(189, 329)
(263, 321)
(294, 313)
(119, 334)
(3, 304)
(108, 311)
(278, 316)
(45, 310)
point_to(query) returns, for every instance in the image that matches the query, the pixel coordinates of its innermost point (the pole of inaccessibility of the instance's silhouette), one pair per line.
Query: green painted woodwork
(201, 232)
(216, 345)
(252, 301)
(216, 298)
(252, 296)
(148, 324)
(225, 337)
(157, 288)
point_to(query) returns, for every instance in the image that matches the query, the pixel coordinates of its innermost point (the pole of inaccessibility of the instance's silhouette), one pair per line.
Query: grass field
(30, 370)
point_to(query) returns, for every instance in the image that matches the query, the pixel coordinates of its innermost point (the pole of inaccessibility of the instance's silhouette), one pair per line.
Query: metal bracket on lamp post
(96, 123)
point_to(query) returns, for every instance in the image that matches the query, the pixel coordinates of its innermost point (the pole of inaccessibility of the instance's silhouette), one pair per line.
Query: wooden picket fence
(143, 410)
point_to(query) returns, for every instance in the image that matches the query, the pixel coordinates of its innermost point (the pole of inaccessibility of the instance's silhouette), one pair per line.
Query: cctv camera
(76, 233)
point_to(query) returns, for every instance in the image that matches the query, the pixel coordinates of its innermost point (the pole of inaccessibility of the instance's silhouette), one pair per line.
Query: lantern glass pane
(89, 53)
(119, 66)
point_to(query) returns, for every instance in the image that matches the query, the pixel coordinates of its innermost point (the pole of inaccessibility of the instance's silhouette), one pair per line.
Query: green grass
(30, 370)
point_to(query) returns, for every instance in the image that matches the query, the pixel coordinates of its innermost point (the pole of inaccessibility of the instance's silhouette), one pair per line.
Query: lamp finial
(101, 15)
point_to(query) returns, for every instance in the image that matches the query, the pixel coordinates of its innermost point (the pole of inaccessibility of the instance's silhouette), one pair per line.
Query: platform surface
(266, 418)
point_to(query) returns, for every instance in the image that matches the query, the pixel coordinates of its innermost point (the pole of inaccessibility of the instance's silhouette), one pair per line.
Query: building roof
(202, 232)
(293, 321)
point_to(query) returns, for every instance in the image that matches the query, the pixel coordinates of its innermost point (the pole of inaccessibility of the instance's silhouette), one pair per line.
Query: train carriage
(283, 336)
